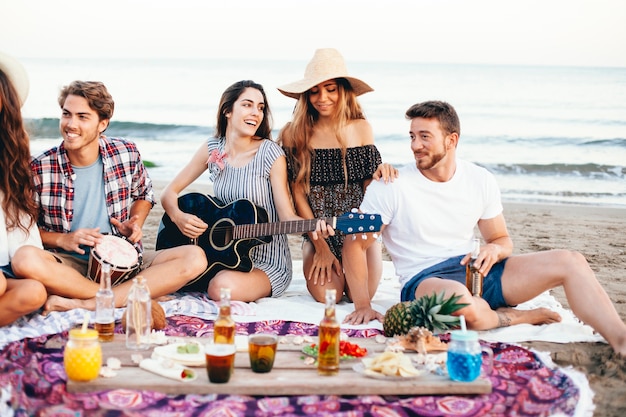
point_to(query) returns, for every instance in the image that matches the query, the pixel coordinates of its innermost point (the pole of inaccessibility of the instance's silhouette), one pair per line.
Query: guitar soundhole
(221, 235)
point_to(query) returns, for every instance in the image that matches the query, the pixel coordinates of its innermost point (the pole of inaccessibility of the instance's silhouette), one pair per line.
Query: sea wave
(617, 142)
(49, 128)
(45, 128)
(575, 170)
(589, 170)
(565, 197)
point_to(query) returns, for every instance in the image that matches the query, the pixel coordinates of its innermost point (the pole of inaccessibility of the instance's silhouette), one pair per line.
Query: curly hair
(16, 184)
(296, 134)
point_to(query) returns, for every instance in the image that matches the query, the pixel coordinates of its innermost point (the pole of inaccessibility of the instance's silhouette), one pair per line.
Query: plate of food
(186, 353)
(388, 365)
(347, 350)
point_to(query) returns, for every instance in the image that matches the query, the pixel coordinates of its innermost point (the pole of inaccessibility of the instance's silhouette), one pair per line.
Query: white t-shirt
(428, 222)
(10, 241)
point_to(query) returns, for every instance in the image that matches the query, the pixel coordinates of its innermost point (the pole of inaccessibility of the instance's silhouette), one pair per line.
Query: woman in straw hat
(331, 159)
(244, 163)
(18, 217)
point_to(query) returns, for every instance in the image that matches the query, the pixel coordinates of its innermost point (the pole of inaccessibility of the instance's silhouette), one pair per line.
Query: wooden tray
(290, 376)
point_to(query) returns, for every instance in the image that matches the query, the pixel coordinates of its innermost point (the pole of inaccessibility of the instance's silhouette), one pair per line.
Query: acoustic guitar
(236, 228)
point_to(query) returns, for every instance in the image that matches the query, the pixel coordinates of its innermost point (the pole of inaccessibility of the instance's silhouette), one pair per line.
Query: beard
(431, 161)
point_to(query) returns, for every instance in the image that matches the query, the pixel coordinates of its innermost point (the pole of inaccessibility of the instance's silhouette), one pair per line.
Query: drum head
(124, 258)
(116, 251)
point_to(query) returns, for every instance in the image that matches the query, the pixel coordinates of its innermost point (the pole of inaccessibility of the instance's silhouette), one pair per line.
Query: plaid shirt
(125, 180)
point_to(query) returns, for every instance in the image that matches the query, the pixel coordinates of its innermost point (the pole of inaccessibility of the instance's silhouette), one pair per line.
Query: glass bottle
(473, 277)
(224, 326)
(329, 332)
(105, 306)
(82, 357)
(138, 315)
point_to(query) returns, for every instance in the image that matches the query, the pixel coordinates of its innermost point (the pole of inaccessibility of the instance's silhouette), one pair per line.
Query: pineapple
(430, 311)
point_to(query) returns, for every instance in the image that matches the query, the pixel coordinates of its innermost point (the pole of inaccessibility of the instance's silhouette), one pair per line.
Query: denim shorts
(7, 271)
(452, 269)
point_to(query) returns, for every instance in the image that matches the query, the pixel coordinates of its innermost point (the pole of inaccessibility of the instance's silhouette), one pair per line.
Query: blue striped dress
(252, 182)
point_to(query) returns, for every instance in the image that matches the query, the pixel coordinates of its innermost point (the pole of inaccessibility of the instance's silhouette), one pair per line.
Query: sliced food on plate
(388, 364)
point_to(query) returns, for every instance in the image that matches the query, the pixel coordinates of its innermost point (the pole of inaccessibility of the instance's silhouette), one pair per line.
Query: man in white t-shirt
(430, 214)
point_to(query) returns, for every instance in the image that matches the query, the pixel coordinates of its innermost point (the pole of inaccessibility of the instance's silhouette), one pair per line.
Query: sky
(516, 32)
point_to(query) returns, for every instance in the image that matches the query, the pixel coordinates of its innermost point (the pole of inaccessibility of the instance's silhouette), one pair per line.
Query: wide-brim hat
(16, 73)
(327, 64)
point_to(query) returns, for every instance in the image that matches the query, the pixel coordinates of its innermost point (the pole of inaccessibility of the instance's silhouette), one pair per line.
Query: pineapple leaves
(434, 312)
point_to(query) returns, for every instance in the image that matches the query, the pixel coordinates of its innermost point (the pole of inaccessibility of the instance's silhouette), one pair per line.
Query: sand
(599, 233)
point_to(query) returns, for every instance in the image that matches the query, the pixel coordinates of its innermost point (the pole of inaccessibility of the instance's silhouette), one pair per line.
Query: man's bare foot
(58, 303)
(510, 316)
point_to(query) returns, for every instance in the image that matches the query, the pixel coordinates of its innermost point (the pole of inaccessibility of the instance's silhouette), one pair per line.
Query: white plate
(189, 359)
(360, 368)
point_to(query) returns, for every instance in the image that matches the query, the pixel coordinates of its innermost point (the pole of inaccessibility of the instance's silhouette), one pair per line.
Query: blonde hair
(296, 135)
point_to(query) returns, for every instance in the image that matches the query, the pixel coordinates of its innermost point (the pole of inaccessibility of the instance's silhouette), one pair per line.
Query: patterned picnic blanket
(33, 382)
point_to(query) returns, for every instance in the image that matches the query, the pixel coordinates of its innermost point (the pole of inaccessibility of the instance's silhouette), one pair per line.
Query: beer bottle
(473, 277)
(105, 306)
(329, 332)
(138, 315)
(224, 326)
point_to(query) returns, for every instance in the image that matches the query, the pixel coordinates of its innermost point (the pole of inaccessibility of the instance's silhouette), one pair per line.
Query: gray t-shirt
(89, 202)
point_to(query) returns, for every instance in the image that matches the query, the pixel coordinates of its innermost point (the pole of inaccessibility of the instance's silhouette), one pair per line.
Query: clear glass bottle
(329, 334)
(473, 277)
(138, 315)
(82, 357)
(105, 306)
(224, 326)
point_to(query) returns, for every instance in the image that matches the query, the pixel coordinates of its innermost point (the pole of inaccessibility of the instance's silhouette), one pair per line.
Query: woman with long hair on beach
(244, 163)
(331, 160)
(18, 218)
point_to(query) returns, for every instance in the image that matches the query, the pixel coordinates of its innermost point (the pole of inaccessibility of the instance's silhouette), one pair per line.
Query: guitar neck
(246, 231)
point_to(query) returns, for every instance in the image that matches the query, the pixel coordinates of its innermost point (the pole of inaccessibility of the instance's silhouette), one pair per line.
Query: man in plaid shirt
(87, 186)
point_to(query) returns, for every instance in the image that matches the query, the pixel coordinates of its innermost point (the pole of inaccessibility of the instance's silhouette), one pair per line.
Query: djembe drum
(124, 258)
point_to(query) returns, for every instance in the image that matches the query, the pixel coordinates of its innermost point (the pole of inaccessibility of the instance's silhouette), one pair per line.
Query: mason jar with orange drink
(83, 355)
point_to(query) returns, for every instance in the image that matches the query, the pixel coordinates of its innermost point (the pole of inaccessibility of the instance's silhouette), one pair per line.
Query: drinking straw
(85, 323)
(463, 325)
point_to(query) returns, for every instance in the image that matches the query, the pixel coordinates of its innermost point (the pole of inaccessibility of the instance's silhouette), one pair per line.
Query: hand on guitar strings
(190, 225)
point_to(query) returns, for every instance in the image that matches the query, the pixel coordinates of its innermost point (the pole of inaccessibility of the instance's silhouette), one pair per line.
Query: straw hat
(326, 64)
(16, 74)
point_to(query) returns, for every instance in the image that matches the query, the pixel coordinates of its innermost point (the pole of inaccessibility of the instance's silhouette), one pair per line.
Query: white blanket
(297, 305)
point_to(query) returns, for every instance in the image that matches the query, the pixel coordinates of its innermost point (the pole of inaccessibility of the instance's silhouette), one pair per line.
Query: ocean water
(549, 134)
